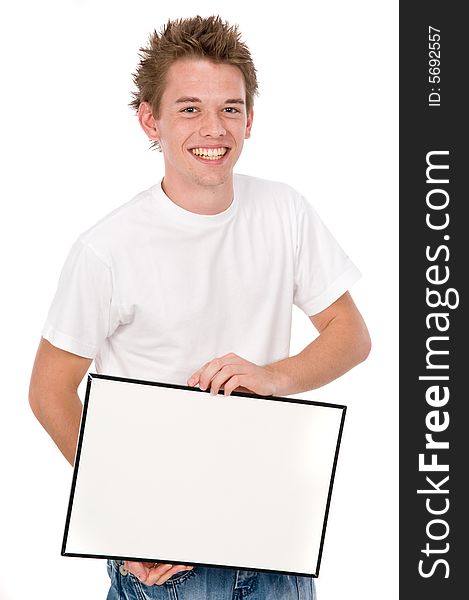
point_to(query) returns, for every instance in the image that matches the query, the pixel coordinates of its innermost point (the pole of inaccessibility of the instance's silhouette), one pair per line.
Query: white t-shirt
(153, 291)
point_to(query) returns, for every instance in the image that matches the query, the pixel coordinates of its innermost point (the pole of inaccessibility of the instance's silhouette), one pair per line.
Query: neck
(199, 198)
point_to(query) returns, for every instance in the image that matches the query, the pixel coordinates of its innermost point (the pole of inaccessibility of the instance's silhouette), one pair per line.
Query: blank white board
(172, 474)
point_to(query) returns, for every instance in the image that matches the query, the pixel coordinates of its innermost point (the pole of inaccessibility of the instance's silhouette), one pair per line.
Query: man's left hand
(232, 372)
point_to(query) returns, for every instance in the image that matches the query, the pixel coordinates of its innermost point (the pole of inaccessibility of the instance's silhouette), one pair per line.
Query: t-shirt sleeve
(323, 272)
(79, 317)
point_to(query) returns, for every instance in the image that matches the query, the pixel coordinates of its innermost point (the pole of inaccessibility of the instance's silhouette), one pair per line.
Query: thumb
(137, 569)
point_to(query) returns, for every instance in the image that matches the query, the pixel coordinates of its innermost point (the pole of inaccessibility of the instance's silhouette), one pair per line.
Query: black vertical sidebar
(434, 268)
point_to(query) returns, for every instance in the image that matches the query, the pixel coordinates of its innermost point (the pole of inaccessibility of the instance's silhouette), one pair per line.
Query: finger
(232, 384)
(242, 389)
(139, 569)
(164, 576)
(169, 574)
(209, 372)
(252, 381)
(222, 377)
(230, 358)
(194, 378)
(157, 572)
(215, 366)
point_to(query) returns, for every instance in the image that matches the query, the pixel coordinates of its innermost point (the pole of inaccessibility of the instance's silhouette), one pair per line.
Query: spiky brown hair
(196, 37)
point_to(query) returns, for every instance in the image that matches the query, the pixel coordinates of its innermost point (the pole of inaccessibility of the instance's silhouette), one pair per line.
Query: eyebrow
(185, 99)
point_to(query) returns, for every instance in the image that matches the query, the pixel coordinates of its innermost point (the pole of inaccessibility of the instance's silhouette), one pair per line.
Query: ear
(247, 134)
(147, 121)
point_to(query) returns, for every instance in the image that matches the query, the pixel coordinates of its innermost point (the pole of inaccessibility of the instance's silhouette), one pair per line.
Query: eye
(189, 110)
(231, 110)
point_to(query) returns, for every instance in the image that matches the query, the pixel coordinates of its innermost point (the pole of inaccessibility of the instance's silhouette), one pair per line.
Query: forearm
(53, 394)
(60, 414)
(339, 348)
(343, 342)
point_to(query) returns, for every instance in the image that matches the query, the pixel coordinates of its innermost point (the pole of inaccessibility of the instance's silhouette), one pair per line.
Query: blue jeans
(203, 583)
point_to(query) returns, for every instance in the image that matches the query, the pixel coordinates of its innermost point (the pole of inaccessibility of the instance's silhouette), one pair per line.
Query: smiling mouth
(211, 154)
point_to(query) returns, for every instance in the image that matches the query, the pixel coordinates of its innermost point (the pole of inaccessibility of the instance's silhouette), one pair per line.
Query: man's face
(202, 122)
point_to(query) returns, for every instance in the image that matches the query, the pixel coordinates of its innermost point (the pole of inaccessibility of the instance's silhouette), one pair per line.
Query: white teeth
(209, 153)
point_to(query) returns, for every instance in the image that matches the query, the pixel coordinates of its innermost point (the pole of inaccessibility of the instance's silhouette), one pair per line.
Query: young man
(192, 281)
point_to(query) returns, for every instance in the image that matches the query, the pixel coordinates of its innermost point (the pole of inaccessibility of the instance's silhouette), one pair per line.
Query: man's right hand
(150, 573)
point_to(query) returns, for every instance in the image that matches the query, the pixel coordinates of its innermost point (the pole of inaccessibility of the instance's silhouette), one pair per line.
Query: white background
(71, 150)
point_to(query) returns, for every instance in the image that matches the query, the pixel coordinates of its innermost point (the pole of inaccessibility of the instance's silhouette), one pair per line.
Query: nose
(212, 125)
